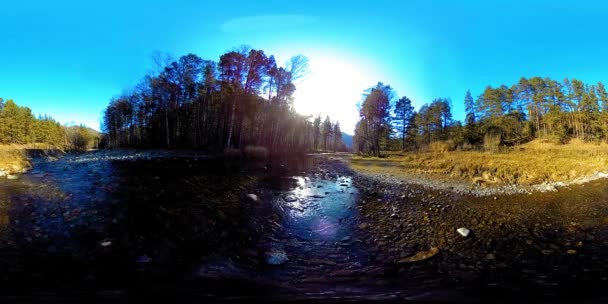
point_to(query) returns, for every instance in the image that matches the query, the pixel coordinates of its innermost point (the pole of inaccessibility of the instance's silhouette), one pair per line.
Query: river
(124, 223)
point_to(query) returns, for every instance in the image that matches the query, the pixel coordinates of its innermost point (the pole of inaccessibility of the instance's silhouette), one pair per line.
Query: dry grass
(13, 158)
(532, 163)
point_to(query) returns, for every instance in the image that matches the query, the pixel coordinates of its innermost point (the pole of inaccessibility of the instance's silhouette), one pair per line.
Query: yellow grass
(13, 158)
(532, 163)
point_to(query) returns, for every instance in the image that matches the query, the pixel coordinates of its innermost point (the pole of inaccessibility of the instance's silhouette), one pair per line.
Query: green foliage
(506, 115)
(469, 107)
(403, 113)
(434, 121)
(81, 138)
(19, 126)
(556, 111)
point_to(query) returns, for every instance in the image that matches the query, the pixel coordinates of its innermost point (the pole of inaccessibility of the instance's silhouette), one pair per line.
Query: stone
(11, 176)
(276, 257)
(490, 256)
(463, 231)
(571, 252)
(252, 198)
(106, 243)
(420, 256)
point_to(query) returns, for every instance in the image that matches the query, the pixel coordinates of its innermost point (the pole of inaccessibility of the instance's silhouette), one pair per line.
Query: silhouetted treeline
(19, 126)
(244, 99)
(502, 116)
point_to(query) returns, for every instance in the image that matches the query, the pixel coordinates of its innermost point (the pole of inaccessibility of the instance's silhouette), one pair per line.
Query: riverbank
(532, 167)
(521, 246)
(17, 159)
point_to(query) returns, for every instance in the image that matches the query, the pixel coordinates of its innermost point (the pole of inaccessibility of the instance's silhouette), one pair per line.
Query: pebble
(463, 231)
(571, 251)
(253, 198)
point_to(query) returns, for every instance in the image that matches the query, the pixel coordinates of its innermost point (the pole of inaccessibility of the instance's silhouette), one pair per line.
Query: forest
(504, 116)
(19, 126)
(243, 100)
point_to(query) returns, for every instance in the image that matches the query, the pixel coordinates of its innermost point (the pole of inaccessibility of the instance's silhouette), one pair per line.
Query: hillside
(348, 140)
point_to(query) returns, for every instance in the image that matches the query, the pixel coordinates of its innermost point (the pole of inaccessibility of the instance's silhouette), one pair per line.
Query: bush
(256, 152)
(492, 139)
(467, 147)
(443, 146)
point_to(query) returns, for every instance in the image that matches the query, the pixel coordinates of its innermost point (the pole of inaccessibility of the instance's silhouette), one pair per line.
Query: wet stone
(276, 257)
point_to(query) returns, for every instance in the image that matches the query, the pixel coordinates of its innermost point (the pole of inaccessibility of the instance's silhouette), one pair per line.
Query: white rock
(252, 197)
(11, 176)
(602, 175)
(106, 243)
(463, 231)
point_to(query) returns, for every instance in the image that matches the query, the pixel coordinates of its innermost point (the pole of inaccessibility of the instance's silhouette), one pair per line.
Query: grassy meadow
(533, 163)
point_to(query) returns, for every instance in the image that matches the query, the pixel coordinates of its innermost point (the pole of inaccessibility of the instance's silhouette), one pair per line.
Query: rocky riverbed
(532, 244)
(159, 223)
(443, 182)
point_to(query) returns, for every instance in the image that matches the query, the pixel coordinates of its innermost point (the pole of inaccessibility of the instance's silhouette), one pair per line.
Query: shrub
(443, 146)
(467, 147)
(256, 152)
(492, 139)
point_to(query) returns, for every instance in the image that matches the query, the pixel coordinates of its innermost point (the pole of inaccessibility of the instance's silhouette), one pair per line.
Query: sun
(333, 87)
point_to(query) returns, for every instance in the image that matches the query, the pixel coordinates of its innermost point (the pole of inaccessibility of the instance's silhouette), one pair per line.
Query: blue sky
(68, 58)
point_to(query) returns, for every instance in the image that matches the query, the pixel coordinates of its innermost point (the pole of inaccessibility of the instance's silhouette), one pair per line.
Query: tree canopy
(19, 126)
(505, 115)
(244, 99)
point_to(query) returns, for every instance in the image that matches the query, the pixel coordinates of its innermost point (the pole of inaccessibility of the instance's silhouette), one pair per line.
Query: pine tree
(469, 108)
(403, 112)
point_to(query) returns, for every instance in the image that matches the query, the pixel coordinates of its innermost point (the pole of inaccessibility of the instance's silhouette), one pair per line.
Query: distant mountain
(348, 140)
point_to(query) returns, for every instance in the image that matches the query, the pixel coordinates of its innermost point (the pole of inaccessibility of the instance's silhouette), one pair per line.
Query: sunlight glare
(333, 87)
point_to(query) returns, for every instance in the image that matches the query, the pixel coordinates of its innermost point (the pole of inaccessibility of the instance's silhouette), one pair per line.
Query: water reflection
(320, 207)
